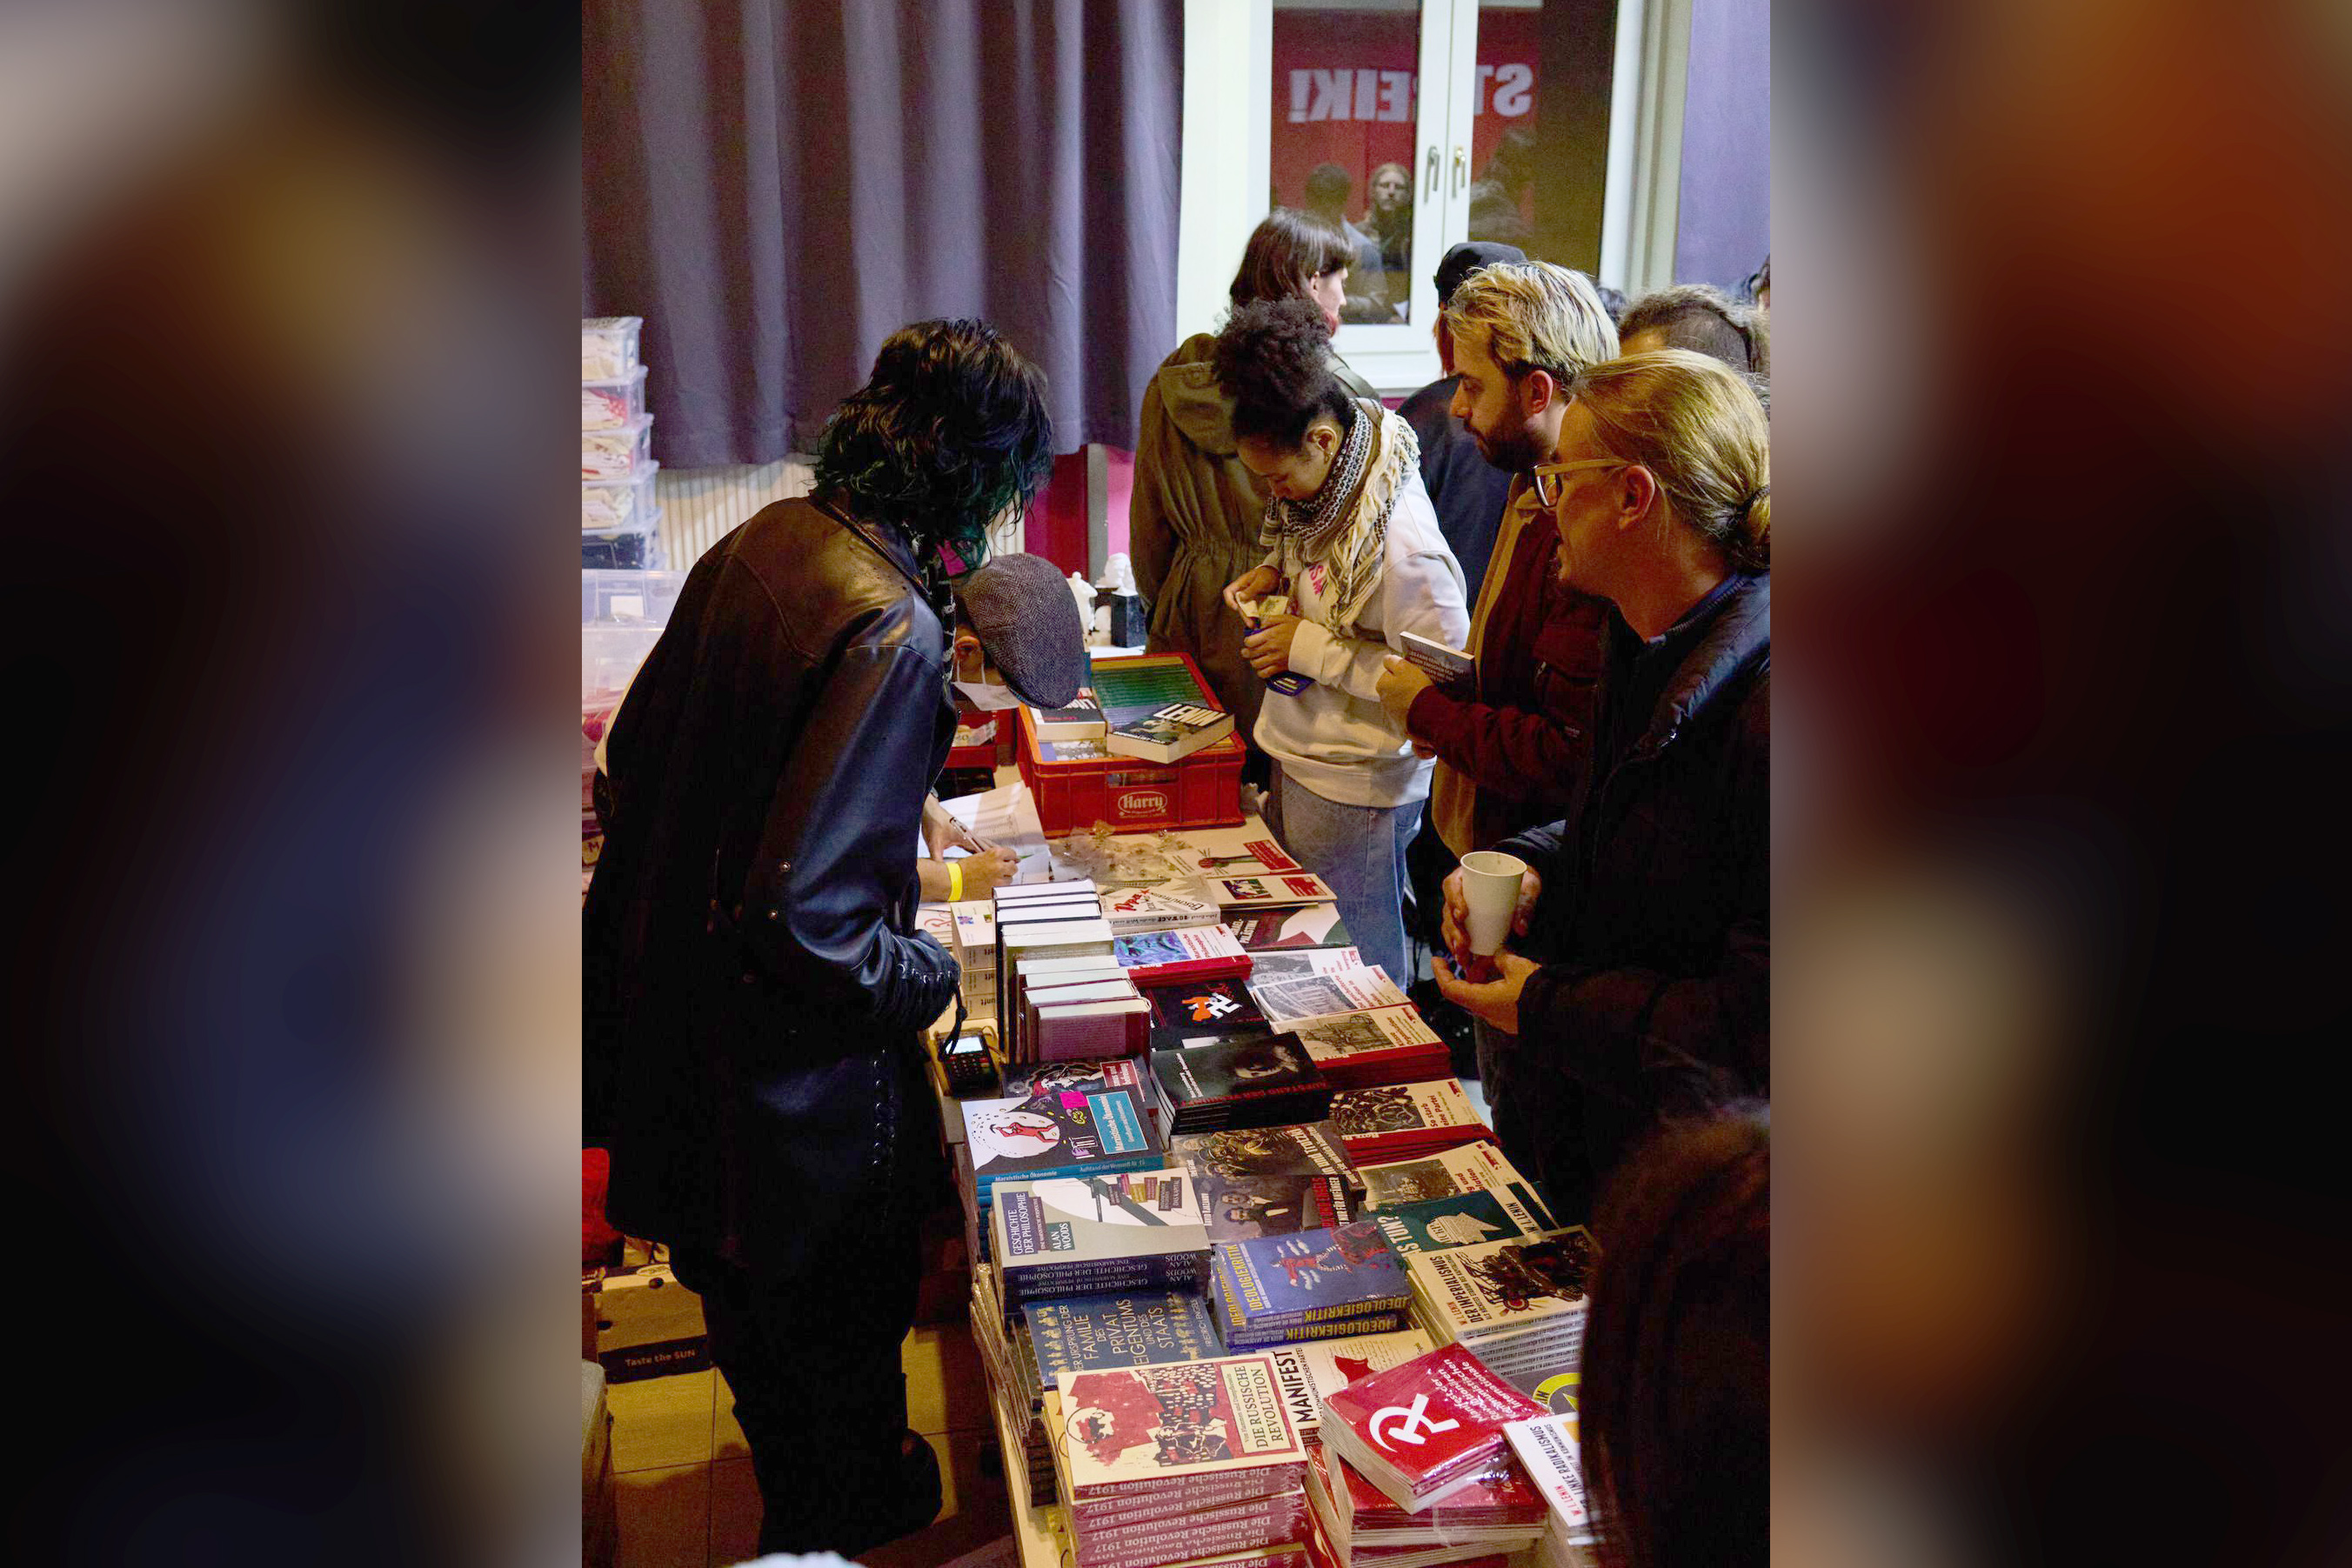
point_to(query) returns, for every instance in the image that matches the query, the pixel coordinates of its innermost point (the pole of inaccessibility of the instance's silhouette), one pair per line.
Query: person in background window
(753, 981)
(1351, 540)
(1674, 1412)
(1193, 521)
(1514, 750)
(1704, 319)
(1390, 221)
(1327, 188)
(1647, 909)
(1495, 197)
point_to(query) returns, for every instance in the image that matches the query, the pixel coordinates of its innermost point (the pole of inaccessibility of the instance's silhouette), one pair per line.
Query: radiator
(700, 506)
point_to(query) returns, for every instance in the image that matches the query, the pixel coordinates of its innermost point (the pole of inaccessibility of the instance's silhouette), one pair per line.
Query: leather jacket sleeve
(836, 853)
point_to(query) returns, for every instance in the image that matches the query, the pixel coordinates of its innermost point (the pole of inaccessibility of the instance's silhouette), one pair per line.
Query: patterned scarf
(1345, 524)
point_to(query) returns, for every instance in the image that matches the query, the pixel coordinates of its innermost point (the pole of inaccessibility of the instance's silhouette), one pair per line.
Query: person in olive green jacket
(1193, 523)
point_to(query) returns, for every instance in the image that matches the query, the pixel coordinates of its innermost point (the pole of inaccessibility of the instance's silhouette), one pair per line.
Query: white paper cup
(1490, 885)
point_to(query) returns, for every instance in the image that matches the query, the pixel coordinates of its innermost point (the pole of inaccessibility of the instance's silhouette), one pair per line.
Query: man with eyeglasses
(1513, 742)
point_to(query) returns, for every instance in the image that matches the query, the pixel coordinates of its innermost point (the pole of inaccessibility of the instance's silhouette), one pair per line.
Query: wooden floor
(687, 1495)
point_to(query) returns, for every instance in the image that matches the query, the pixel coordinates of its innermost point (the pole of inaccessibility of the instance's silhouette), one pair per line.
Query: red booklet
(1420, 1429)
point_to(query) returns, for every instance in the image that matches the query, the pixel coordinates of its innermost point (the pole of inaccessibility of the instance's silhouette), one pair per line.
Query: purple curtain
(776, 188)
(1724, 229)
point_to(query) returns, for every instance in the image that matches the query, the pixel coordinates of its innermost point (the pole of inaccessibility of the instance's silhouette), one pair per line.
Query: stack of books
(1290, 998)
(1309, 927)
(1419, 1430)
(1464, 1219)
(1079, 1334)
(1470, 1167)
(1088, 1127)
(1238, 895)
(1243, 1207)
(1191, 953)
(1013, 1385)
(1315, 1284)
(974, 946)
(1496, 1511)
(1404, 1121)
(1547, 1449)
(1175, 1463)
(1309, 1370)
(1060, 995)
(1268, 1082)
(1135, 910)
(1311, 1149)
(1169, 733)
(1075, 1235)
(1080, 719)
(1377, 1046)
(1202, 1010)
(1518, 1306)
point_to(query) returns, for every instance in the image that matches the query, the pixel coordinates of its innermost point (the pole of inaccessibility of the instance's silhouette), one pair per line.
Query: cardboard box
(648, 1325)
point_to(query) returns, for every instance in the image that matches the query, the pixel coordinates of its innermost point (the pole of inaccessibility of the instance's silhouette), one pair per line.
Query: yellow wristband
(955, 881)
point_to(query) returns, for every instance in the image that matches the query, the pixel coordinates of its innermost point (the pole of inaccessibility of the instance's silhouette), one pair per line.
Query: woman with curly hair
(1353, 543)
(1193, 524)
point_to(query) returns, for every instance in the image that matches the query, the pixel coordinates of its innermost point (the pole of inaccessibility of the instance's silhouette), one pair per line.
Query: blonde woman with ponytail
(1638, 982)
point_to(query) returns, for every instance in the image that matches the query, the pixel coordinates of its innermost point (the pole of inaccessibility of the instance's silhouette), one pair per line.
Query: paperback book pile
(975, 951)
(1547, 1449)
(1399, 1121)
(1239, 1209)
(1298, 962)
(1080, 719)
(1287, 1000)
(1091, 1334)
(1419, 1430)
(1169, 733)
(1202, 1012)
(1311, 1149)
(1434, 1225)
(1083, 1235)
(1051, 928)
(1377, 1046)
(1173, 957)
(1087, 1130)
(1317, 1284)
(1135, 910)
(1174, 1463)
(1311, 1370)
(1519, 1306)
(1269, 1081)
(1471, 1167)
(1013, 1385)
(1494, 1512)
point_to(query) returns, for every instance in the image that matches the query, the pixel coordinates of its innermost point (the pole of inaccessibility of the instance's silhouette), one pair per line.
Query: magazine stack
(1518, 1306)
(1268, 1082)
(1402, 1121)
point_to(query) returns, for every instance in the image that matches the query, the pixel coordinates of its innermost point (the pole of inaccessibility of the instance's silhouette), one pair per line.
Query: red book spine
(1281, 1477)
(1182, 1540)
(1110, 1513)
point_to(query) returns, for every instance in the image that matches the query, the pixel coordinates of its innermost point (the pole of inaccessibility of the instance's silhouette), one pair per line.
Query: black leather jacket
(754, 984)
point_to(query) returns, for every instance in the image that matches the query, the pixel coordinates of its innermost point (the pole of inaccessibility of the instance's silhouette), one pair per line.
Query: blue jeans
(1359, 851)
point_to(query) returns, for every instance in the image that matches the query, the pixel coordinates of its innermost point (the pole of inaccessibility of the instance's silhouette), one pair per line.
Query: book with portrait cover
(1273, 1285)
(1377, 1046)
(1145, 1429)
(1236, 1209)
(1075, 1235)
(1419, 1430)
(1310, 1148)
(1117, 1328)
(1471, 1167)
(1267, 1081)
(1191, 953)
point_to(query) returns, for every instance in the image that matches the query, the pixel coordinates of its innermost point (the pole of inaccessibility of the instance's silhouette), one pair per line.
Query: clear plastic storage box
(608, 347)
(629, 597)
(619, 454)
(610, 405)
(617, 503)
(635, 547)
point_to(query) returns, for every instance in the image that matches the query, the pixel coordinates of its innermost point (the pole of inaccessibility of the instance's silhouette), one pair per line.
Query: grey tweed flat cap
(1021, 611)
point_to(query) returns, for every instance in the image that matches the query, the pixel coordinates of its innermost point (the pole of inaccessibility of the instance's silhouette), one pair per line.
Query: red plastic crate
(1136, 796)
(980, 756)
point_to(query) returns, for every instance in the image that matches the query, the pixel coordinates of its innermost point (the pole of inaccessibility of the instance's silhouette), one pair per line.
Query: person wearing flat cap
(754, 985)
(1016, 626)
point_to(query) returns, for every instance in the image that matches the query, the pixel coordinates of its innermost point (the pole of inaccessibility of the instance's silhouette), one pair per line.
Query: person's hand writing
(1255, 583)
(1268, 651)
(1400, 681)
(942, 832)
(990, 869)
(1497, 1002)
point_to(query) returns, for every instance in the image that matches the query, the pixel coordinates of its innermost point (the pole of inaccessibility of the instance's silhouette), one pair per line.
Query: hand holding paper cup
(1490, 890)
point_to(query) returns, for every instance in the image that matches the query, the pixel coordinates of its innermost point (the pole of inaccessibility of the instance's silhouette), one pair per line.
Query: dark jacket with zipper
(754, 984)
(1653, 925)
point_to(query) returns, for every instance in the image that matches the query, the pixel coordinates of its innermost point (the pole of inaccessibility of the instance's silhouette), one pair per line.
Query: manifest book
(1154, 1428)
(1080, 1234)
(1419, 1430)
(1317, 1284)
(1311, 1370)
(1238, 1208)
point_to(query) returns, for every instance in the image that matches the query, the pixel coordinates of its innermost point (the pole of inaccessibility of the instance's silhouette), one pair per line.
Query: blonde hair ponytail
(1697, 426)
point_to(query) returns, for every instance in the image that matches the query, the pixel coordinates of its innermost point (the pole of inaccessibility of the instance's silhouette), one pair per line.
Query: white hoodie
(1335, 737)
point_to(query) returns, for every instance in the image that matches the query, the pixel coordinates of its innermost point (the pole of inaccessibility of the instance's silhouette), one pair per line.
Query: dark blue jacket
(1467, 490)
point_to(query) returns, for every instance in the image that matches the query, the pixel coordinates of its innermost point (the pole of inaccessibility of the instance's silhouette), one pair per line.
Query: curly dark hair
(950, 431)
(1273, 360)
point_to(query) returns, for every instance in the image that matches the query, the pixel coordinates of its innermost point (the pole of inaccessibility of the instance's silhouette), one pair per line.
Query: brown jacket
(1193, 521)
